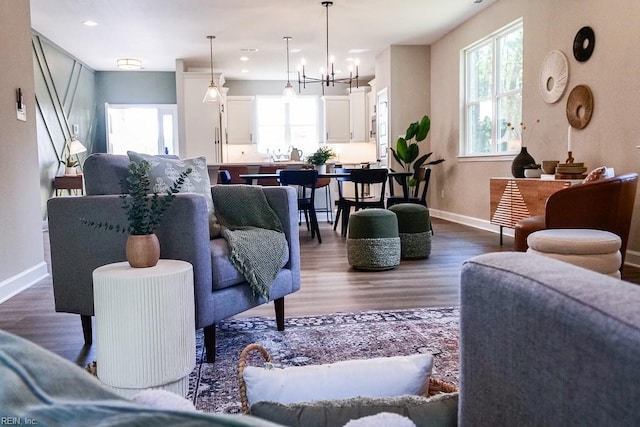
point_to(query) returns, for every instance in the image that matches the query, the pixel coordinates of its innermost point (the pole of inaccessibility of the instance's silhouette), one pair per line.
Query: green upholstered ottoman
(373, 242)
(414, 230)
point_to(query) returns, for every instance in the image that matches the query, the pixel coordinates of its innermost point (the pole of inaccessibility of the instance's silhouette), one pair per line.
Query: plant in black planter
(407, 154)
(144, 213)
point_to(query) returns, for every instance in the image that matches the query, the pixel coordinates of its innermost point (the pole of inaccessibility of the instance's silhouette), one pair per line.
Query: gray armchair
(220, 290)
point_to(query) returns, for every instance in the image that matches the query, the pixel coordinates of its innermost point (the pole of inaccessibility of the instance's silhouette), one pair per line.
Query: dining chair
(417, 194)
(360, 178)
(268, 169)
(306, 180)
(224, 177)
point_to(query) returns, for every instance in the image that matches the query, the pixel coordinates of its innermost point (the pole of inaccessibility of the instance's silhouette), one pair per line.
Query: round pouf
(595, 250)
(373, 242)
(414, 230)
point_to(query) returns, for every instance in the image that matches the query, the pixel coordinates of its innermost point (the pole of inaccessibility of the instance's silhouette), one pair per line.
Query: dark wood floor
(328, 285)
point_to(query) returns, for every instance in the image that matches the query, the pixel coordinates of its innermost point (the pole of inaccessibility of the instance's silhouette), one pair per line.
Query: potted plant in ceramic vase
(407, 154)
(144, 213)
(320, 157)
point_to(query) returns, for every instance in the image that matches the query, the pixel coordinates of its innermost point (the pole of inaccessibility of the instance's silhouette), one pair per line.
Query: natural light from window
(284, 125)
(493, 93)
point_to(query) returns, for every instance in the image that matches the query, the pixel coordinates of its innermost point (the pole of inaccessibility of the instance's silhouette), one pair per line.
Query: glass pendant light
(288, 93)
(213, 94)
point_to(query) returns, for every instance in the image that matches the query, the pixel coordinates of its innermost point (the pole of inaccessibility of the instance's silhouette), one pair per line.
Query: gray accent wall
(21, 245)
(65, 97)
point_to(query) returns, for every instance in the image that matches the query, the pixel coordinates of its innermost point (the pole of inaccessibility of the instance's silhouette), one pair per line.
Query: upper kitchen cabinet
(359, 114)
(336, 119)
(240, 113)
(372, 104)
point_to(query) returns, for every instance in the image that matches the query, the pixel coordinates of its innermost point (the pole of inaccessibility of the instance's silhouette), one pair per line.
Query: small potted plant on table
(320, 157)
(144, 213)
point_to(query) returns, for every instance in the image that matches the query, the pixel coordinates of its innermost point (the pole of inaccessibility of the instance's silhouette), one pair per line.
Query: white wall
(611, 73)
(21, 248)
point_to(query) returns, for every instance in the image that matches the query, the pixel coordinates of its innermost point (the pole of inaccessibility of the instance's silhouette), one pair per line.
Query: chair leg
(338, 212)
(315, 228)
(279, 306)
(210, 343)
(86, 330)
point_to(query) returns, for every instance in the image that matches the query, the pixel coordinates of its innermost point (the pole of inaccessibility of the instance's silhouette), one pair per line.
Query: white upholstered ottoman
(595, 250)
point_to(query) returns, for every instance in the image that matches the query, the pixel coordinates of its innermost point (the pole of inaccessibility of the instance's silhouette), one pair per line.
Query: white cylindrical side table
(145, 326)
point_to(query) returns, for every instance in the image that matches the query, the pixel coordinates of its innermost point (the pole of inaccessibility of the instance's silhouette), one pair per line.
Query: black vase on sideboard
(520, 161)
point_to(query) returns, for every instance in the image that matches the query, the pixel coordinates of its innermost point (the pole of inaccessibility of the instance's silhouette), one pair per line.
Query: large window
(493, 93)
(282, 125)
(150, 129)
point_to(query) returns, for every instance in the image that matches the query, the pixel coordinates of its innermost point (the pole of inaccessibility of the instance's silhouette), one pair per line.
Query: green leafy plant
(144, 211)
(70, 162)
(407, 154)
(321, 156)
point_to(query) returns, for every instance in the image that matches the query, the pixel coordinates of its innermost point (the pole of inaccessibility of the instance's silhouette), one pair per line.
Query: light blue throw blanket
(257, 245)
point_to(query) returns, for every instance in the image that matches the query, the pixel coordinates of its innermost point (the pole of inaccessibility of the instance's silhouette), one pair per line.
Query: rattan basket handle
(242, 363)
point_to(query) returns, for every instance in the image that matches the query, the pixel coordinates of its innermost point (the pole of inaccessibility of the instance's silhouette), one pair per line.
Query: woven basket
(435, 386)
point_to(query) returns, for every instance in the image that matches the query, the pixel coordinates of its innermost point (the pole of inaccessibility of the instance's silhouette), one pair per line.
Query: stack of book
(571, 171)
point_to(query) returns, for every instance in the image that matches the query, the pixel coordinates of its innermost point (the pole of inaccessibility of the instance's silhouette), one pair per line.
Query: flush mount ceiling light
(129, 64)
(328, 77)
(288, 93)
(212, 94)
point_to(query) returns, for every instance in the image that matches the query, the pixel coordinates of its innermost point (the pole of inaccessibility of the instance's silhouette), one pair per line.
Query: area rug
(323, 339)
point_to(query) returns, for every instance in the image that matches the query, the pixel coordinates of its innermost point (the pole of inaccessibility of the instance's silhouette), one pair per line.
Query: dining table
(252, 178)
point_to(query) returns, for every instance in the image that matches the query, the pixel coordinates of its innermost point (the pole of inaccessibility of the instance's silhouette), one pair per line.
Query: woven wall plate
(554, 76)
(584, 43)
(579, 106)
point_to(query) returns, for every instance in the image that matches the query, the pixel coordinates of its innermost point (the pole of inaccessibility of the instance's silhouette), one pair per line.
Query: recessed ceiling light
(252, 49)
(358, 50)
(90, 23)
(244, 58)
(298, 50)
(129, 63)
(244, 70)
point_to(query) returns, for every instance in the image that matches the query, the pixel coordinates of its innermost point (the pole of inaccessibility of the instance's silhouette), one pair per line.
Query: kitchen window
(285, 125)
(492, 79)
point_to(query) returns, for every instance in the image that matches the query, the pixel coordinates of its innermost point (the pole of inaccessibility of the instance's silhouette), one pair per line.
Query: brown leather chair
(606, 204)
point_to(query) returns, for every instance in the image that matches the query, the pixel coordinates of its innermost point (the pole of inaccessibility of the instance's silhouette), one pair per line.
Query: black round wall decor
(584, 43)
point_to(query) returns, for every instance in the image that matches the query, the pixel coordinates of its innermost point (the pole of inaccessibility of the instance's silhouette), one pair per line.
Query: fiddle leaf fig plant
(144, 211)
(406, 153)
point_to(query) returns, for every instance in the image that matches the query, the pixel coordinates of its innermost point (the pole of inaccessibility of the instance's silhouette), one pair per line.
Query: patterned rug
(323, 339)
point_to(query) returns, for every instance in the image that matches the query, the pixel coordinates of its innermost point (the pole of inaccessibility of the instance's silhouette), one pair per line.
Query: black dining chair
(224, 177)
(418, 193)
(306, 180)
(360, 179)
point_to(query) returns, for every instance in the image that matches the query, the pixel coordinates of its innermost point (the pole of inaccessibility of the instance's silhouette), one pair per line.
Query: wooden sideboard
(513, 199)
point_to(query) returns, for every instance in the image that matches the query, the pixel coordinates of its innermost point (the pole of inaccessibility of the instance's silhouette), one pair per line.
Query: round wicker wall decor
(579, 106)
(554, 76)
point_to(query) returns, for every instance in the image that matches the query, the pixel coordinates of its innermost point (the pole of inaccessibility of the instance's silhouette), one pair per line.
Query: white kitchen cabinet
(203, 124)
(240, 113)
(372, 105)
(359, 115)
(337, 127)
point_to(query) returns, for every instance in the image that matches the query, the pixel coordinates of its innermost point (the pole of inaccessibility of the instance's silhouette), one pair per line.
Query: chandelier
(327, 75)
(212, 94)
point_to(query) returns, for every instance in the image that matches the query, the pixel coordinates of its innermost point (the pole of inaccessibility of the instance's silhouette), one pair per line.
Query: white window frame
(287, 124)
(465, 79)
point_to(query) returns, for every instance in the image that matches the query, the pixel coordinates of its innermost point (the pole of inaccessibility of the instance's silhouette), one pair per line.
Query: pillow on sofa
(164, 173)
(378, 377)
(439, 410)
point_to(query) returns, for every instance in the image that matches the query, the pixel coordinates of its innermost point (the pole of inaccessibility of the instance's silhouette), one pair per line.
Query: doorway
(147, 128)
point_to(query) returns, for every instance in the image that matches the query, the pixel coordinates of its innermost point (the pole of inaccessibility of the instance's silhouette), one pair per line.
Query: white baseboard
(482, 224)
(632, 258)
(24, 280)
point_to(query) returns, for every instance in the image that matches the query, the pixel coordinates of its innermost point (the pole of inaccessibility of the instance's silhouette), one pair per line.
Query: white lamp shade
(76, 147)
(213, 94)
(288, 93)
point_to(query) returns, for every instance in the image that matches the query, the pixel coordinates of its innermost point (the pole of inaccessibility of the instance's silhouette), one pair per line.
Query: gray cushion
(373, 224)
(440, 410)
(412, 218)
